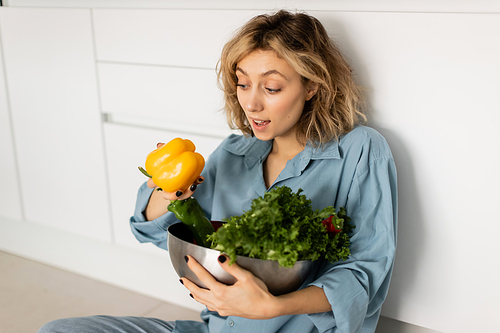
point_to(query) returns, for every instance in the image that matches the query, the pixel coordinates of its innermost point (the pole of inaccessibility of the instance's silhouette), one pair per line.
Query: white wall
(10, 203)
(431, 74)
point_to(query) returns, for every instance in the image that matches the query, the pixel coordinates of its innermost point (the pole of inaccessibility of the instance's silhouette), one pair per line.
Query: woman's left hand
(248, 297)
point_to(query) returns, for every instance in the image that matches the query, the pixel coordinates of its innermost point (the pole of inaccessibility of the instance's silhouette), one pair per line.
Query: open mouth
(261, 123)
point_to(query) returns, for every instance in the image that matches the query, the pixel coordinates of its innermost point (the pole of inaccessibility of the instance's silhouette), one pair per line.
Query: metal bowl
(279, 280)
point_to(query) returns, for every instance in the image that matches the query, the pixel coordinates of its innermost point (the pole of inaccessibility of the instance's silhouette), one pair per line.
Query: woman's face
(271, 93)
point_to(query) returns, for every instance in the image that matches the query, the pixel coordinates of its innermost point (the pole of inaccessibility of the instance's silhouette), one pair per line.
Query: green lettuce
(282, 226)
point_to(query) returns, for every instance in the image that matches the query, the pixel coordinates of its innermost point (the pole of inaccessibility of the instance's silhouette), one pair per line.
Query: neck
(286, 148)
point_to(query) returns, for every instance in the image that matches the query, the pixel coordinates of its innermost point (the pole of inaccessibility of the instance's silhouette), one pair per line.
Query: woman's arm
(357, 287)
(157, 206)
(249, 297)
(304, 301)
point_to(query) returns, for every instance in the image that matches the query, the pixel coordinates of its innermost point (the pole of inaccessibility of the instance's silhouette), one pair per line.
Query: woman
(289, 90)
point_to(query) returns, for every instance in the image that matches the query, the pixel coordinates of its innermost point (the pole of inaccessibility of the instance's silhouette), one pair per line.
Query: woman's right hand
(159, 199)
(179, 195)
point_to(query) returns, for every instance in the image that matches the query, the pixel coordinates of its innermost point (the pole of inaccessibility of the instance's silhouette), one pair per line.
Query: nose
(253, 102)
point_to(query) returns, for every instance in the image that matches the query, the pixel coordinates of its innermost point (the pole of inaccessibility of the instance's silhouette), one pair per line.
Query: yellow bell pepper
(175, 166)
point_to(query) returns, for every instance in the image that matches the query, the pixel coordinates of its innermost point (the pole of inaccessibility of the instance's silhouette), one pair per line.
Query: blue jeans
(108, 324)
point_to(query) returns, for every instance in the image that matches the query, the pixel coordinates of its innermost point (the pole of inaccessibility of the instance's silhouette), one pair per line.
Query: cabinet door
(10, 200)
(51, 74)
(186, 99)
(186, 38)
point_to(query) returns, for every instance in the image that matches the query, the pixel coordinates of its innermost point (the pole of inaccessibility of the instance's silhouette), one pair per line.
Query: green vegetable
(282, 226)
(190, 213)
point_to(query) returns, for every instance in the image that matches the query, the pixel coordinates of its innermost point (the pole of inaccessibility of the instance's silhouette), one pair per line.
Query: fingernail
(181, 282)
(201, 179)
(178, 193)
(193, 188)
(222, 259)
(186, 258)
(191, 295)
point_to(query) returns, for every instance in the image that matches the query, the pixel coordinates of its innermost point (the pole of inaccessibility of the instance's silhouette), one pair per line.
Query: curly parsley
(282, 226)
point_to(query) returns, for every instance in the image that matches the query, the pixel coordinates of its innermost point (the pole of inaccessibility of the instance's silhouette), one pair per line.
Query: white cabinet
(178, 99)
(187, 38)
(51, 75)
(150, 76)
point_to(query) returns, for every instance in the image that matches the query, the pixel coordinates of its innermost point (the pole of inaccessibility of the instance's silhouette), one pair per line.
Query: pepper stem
(144, 172)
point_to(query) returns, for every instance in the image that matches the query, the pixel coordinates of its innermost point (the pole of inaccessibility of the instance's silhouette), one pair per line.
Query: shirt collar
(302, 159)
(252, 148)
(256, 150)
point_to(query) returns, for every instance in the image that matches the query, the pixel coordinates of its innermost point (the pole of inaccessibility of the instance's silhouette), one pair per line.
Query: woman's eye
(273, 91)
(242, 86)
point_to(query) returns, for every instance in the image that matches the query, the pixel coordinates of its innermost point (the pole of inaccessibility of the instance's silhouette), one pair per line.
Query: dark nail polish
(191, 295)
(193, 188)
(178, 193)
(186, 258)
(181, 282)
(201, 179)
(222, 259)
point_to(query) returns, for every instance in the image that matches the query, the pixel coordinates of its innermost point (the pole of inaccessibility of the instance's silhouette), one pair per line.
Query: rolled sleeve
(154, 231)
(323, 321)
(348, 299)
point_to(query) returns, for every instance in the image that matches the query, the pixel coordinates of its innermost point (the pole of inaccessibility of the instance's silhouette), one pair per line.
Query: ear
(312, 89)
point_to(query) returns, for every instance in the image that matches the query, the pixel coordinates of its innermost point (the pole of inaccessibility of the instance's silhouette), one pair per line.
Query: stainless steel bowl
(279, 280)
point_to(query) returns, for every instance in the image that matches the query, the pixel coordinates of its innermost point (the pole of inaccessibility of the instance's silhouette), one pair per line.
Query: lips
(258, 125)
(261, 123)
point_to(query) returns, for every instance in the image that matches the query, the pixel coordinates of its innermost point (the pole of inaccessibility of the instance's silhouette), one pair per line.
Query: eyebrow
(272, 71)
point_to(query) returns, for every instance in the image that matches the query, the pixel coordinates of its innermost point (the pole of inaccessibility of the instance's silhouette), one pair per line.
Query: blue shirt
(356, 172)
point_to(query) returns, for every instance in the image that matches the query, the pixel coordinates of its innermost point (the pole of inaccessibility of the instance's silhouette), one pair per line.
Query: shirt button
(231, 323)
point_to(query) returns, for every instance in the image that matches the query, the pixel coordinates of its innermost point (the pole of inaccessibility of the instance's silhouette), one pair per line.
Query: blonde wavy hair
(303, 42)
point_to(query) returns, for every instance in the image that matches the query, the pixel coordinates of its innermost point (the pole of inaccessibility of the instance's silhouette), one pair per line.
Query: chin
(263, 137)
